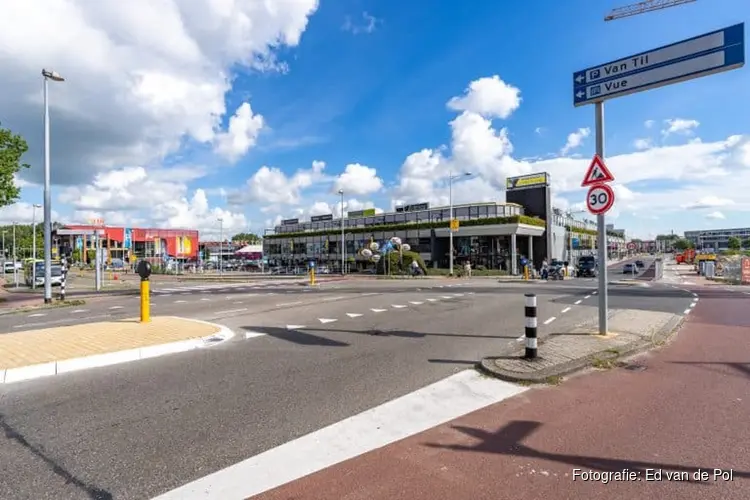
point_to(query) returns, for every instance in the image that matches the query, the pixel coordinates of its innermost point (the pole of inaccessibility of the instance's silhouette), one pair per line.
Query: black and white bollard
(64, 279)
(530, 313)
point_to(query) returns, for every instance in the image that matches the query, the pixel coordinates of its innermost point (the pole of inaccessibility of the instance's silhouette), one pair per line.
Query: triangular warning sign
(598, 173)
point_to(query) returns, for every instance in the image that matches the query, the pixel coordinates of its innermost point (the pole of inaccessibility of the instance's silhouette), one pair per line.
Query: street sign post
(631, 246)
(600, 199)
(703, 55)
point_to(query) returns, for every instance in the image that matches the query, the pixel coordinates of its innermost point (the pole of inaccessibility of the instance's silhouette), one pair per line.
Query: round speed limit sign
(600, 199)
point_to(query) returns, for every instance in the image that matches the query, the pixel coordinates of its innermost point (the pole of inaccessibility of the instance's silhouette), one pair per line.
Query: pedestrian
(414, 268)
(545, 269)
(467, 269)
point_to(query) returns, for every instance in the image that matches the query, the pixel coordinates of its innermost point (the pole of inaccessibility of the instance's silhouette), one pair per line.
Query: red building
(130, 243)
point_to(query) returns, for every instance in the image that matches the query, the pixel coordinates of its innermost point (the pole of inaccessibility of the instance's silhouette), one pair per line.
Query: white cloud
(709, 202)
(539, 130)
(272, 185)
(241, 135)
(23, 213)
(641, 144)
(649, 123)
(679, 126)
(490, 97)
(142, 77)
(368, 25)
(575, 139)
(715, 215)
(358, 180)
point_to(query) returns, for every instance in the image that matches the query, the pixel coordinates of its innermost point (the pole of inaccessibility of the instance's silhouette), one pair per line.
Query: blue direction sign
(714, 52)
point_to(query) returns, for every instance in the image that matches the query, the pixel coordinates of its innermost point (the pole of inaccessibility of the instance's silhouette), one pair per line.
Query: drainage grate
(211, 340)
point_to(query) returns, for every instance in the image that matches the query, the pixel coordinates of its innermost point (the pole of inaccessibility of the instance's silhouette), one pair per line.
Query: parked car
(640, 264)
(629, 269)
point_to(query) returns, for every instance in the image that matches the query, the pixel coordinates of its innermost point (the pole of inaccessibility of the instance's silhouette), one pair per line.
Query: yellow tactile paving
(67, 342)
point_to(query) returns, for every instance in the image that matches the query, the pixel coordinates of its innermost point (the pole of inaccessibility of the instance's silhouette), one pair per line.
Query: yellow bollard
(312, 276)
(526, 273)
(145, 301)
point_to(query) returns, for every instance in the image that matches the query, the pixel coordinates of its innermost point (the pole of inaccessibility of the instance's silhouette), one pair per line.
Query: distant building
(716, 239)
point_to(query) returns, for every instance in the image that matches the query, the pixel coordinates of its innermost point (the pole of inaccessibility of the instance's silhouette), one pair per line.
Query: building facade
(490, 235)
(128, 244)
(716, 239)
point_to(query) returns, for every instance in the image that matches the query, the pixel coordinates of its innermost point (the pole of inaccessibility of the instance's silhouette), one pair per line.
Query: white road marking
(397, 306)
(353, 315)
(378, 310)
(77, 311)
(695, 294)
(458, 294)
(594, 293)
(687, 311)
(369, 293)
(586, 297)
(550, 320)
(566, 310)
(416, 303)
(37, 315)
(116, 307)
(237, 302)
(692, 305)
(438, 403)
(446, 297)
(250, 335)
(326, 320)
(577, 302)
(180, 301)
(329, 299)
(232, 311)
(695, 299)
(431, 300)
(205, 300)
(295, 327)
(285, 304)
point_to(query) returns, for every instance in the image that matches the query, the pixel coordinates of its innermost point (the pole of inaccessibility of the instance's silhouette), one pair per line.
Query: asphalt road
(139, 429)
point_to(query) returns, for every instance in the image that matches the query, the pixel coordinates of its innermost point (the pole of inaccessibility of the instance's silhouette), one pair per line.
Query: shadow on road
(508, 440)
(296, 336)
(91, 491)
(715, 366)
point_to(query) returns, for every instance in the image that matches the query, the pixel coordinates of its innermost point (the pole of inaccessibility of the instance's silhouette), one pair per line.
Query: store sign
(414, 207)
(368, 212)
(526, 181)
(289, 222)
(321, 218)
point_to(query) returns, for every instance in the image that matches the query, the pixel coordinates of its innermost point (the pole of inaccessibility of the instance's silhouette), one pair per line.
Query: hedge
(515, 219)
(396, 259)
(591, 232)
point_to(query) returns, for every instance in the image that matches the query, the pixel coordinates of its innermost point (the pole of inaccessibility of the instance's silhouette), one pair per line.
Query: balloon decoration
(366, 253)
(405, 247)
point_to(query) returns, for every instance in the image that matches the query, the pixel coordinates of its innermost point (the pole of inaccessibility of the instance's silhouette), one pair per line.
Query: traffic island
(54, 351)
(561, 354)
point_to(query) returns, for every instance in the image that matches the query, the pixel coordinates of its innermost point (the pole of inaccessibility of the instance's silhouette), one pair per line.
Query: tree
(682, 244)
(249, 238)
(734, 243)
(12, 148)
(746, 244)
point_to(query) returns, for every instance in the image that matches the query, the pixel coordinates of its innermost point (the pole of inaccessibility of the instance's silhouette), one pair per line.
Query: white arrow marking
(294, 327)
(458, 294)
(446, 297)
(397, 306)
(180, 301)
(37, 315)
(579, 79)
(580, 94)
(378, 310)
(116, 307)
(326, 320)
(353, 315)
(431, 300)
(416, 303)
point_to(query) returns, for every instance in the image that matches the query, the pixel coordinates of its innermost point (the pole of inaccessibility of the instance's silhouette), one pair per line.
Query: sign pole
(601, 229)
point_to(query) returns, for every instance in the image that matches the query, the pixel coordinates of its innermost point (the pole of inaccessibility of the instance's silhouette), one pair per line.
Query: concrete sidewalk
(52, 351)
(631, 331)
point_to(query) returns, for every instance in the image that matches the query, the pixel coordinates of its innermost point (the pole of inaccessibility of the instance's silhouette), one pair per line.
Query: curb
(659, 338)
(60, 367)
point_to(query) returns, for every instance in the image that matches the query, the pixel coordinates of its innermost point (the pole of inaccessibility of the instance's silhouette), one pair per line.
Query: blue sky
(375, 96)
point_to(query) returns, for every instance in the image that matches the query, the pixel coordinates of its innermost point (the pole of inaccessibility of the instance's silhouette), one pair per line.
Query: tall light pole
(343, 242)
(221, 246)
(451, 178)
(5, 252)
(33, 243)
(55, 77)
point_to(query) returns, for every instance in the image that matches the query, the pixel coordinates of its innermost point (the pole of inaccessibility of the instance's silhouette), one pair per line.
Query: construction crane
(642, 8)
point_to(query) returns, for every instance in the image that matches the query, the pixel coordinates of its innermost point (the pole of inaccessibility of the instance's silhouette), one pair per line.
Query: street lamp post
(221, 246)
(15, 267)
(55, 77)
(343, 242)
(451, 178)
(33, 244)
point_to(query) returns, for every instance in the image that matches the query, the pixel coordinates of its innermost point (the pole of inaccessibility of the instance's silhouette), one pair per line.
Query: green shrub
(400, 263)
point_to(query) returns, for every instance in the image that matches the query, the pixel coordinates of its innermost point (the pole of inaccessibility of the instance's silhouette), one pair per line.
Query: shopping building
(127, 244)
(713, 240)
(491, 235)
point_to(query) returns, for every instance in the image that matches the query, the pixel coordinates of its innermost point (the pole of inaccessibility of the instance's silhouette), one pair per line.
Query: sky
(185, 113)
